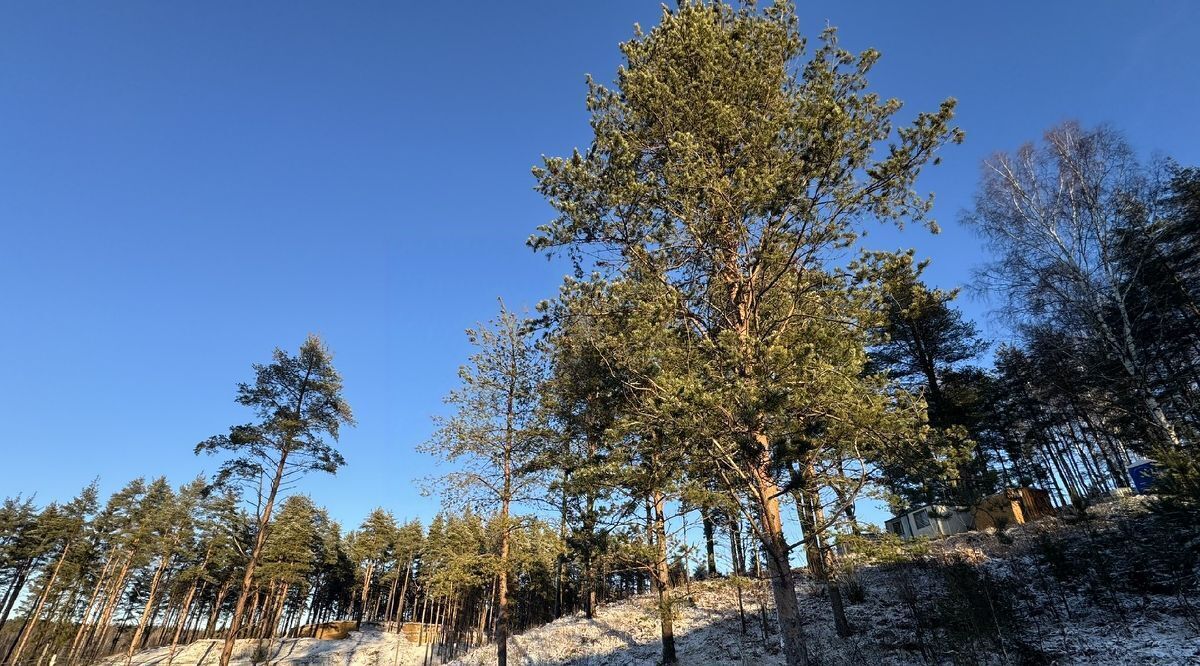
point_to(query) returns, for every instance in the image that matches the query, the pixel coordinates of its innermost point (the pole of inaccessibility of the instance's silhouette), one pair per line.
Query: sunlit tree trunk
(662, 579)
(32, 620)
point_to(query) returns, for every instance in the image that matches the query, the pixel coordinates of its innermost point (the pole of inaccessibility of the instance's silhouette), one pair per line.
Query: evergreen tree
(731, 176)
(371, 547)
(494, 434)
(59, 529)
(923, 344)
(298, 401)
(20, 551)
(288, 558)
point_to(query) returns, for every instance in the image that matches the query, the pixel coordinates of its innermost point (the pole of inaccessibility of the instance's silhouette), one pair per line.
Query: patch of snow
(369, 647)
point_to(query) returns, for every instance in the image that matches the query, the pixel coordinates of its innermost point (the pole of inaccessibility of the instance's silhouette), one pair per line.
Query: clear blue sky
(184, 186)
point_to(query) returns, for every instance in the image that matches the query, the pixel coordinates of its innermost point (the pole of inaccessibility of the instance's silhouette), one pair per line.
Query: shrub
(260, 654)
(852, 585)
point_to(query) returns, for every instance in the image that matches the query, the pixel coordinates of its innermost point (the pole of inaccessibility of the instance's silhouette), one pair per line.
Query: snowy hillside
(1101, 590)
(975, 598)
(369, 647)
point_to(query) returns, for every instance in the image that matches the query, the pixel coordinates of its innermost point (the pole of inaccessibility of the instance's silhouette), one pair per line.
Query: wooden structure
(418, 633)
(1014, 506)
(329, 631)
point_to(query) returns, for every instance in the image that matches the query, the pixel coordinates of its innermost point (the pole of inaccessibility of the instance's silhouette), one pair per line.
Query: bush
(852, 585)
(979, 612)
(1178, 477)
(261, 653)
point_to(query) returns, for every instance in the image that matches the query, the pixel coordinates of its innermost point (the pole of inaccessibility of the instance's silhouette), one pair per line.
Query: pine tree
(60, 529)
(584, 397)
(615, 341)
(730, 176)
(288, 558)
(298, 401)
(923, 344)
(493, 434)
(20, 551)
(371, 547)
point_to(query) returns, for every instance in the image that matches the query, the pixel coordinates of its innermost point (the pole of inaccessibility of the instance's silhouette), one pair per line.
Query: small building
(932, 521)
(1012, 506)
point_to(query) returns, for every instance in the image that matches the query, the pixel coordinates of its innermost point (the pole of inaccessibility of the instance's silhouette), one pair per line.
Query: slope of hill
(1118, 587)
(1112, 589)
(369, 647)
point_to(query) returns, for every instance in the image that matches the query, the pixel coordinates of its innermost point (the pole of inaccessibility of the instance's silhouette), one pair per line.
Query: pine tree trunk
(389, 613)
(31, 621)
(589, 564)
(88, 610)
(808, 508)
(95, 639)
(264, 522)
(735, 536)
(150, 599)
(222, 592)
(506, 495)
(14, 591)
(662, 574)
(489, 614)
(184, 612)
(399, 618)
(502, 591)
(776, 548)
(280, 602)
(561, 561)
(710, 544)
(763, 622)
(366, 591)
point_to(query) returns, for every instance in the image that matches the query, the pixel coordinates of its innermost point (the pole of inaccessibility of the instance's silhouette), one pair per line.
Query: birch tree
(1052, 215)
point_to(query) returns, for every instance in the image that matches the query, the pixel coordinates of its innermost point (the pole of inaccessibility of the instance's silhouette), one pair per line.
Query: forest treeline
(728, 354)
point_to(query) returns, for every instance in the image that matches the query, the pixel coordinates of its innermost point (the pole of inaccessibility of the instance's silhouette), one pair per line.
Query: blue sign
(1143, 476)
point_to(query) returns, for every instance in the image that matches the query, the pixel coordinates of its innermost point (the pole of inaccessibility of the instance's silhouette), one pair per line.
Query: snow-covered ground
(947, 603)
(908, 612)
(708, 632)
(369, 647)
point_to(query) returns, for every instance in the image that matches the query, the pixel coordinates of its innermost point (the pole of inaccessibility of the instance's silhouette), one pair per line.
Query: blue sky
(184, 186)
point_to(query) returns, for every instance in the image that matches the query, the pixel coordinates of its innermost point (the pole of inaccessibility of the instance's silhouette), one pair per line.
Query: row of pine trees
(159, 566)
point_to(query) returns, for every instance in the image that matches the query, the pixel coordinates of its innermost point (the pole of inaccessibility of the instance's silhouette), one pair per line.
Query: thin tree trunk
(710, 545)
(808, 508)
(662, 574)
(735, 535)
(150, 599)
(14, 591)
(222, 592)
(280, 604)
(763, 622)
(264, 521)
(88, 611)
(184, 613)
(389, 612)
(403, 595)
(31, 622)
(366, 591)
(502, 591)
